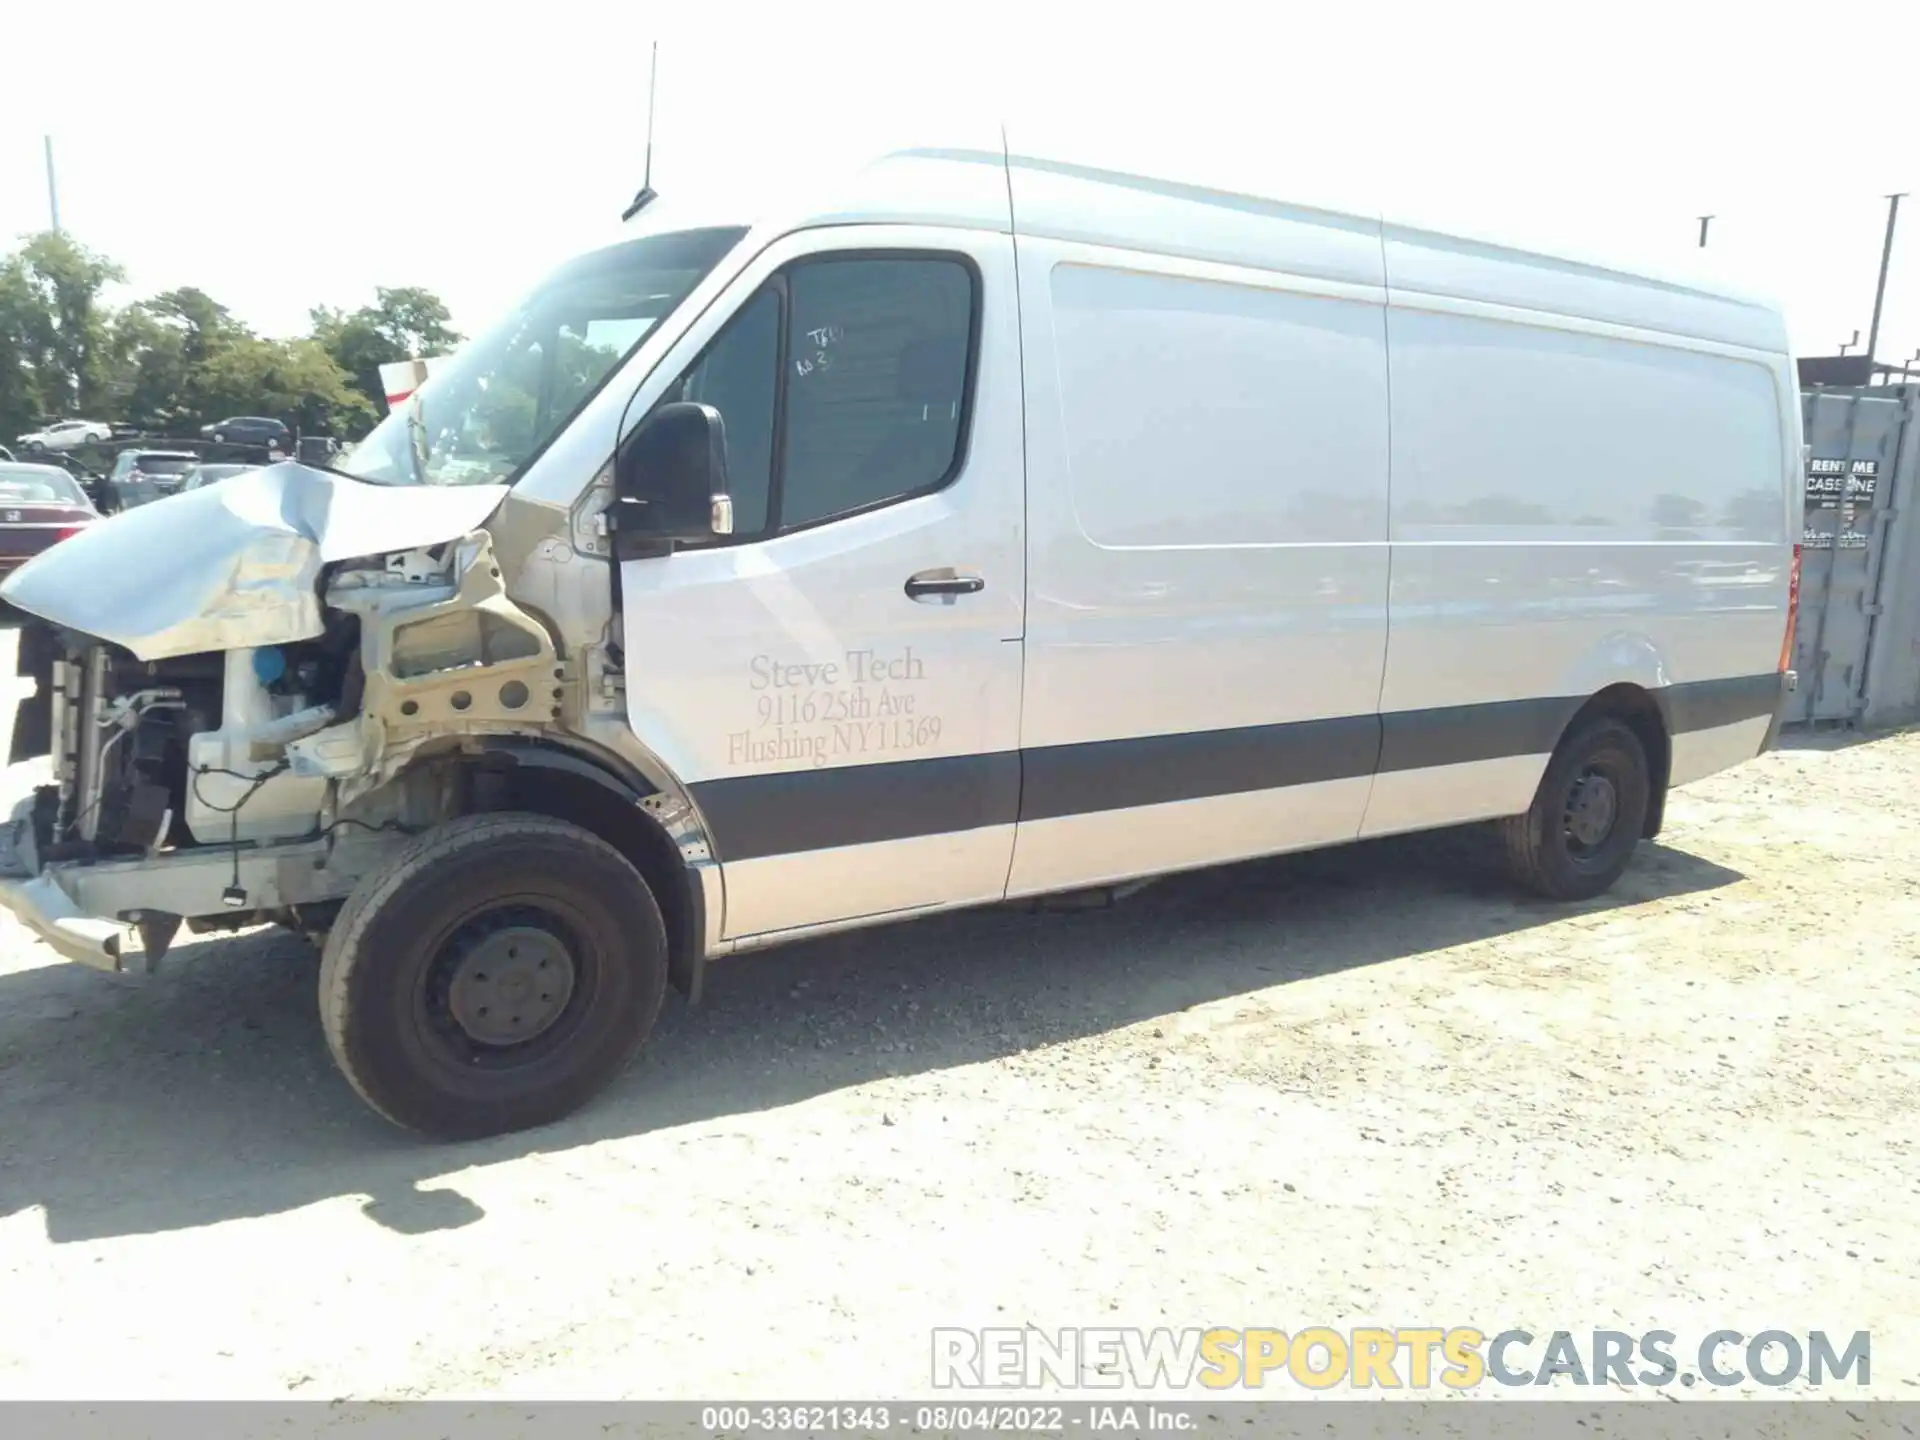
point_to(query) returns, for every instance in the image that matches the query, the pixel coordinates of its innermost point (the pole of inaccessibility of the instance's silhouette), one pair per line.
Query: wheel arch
(603, 797)
(1641, 711)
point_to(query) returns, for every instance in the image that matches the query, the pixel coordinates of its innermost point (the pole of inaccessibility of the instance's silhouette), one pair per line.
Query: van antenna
(646, 195)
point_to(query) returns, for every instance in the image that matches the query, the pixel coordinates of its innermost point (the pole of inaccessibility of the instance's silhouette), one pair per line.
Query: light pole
(1704, 220)
(53, 189)
(1886, 255)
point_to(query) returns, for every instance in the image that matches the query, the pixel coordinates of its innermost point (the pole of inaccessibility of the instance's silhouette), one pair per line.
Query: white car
(65, 435)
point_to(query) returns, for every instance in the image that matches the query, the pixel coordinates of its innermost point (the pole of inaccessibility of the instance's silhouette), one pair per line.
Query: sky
(284, 156)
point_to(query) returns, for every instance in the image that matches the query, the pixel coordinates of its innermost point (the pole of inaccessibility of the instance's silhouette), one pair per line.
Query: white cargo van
(1011, 528)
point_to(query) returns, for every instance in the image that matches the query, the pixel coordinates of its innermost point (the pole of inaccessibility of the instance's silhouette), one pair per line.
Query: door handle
(945, 584)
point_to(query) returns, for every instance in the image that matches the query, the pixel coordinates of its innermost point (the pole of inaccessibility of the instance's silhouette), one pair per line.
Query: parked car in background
(249, 430)
(213, 475)
(40, 505)
(142, 476)
(99, 489)
(65, 435)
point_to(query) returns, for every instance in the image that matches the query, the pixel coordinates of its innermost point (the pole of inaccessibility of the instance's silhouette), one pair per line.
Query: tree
(20, 332)
(56, 320)
(294, 379)
(148, 369)
(163, 348)
(204, 323)
(415, 319)
(181, 359)
(401, 324)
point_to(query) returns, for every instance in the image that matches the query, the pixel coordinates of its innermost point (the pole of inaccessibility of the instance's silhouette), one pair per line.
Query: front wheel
(497, 976)
(1586, 817)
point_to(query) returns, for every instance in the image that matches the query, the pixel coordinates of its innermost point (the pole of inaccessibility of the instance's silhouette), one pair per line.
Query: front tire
(1579, 835)
(219, 437)
(496, 977)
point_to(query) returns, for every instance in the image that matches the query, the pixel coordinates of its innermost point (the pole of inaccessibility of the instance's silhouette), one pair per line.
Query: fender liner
(618, 806)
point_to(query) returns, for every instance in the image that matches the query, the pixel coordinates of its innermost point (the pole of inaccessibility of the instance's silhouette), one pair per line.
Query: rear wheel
(500, 974)
(1586, 817)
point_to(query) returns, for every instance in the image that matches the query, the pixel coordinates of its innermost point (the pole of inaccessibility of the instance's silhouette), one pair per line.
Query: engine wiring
(236, 894)
(384, 827)
(256, 781)
(120, 720)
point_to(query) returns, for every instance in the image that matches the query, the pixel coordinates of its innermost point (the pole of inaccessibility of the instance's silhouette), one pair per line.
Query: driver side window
(738, 375)
(844, 385)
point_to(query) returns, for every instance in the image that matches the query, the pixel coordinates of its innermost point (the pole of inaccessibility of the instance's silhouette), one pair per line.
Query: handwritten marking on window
(821, 338)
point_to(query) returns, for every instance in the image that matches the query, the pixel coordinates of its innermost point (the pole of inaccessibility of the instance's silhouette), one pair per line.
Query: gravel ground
(1366, 1086)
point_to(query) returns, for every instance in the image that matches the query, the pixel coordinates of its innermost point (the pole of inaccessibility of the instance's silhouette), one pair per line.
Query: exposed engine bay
(232, 757)
(148, 755)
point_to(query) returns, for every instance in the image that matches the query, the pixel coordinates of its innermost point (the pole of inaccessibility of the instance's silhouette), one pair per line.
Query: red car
(40, 505)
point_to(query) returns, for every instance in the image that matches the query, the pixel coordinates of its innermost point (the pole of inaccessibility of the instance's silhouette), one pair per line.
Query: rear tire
(1580, 832)
(496, 977)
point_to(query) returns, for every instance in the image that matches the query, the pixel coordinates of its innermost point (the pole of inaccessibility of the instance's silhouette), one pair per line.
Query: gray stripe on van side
(751, 816)
(754, 816)
(1460, 734)
(1709, 704)
(1061, 780)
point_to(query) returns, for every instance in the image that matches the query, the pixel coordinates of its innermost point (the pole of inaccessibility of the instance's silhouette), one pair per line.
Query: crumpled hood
(233, 564)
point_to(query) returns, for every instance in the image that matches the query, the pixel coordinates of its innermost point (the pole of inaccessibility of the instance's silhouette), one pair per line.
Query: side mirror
(670, 481)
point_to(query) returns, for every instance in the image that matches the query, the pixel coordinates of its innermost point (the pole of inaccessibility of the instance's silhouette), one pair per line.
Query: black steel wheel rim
(507, 984)
(1591, 813)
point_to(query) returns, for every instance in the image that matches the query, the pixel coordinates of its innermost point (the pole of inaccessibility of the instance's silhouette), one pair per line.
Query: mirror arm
(627, 533)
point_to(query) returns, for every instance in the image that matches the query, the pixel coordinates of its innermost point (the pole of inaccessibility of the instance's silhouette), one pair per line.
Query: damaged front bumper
(38, 902)
(49, 912)
(95, 912)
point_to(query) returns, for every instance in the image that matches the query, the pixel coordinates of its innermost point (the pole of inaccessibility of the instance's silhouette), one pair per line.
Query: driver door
(838, 682)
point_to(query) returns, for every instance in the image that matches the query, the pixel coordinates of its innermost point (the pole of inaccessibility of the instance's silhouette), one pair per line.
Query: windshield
(494, 405)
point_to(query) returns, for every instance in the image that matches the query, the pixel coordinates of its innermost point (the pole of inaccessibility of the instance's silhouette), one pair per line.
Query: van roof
(1063, 200)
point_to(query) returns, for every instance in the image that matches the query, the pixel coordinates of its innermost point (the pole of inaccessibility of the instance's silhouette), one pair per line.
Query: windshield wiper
(336, 470)
(347, 474)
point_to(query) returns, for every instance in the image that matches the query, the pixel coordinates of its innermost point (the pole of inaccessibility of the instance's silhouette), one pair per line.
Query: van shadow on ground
(205, 1093)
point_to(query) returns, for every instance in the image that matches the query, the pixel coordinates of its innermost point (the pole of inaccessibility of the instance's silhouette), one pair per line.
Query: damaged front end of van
(242, 694)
